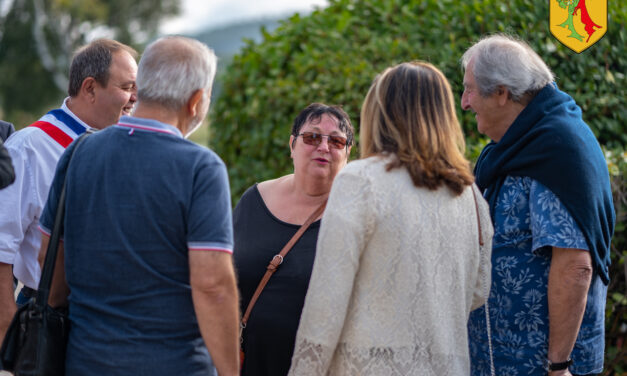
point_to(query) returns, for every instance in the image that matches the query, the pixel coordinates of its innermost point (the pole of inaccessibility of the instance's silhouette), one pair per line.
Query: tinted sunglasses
(315, 139)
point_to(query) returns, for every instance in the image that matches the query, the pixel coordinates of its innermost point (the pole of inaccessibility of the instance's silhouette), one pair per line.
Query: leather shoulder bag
(36, 339)
(271, 268)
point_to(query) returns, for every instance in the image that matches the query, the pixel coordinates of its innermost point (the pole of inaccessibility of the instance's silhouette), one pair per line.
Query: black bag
(36, 340)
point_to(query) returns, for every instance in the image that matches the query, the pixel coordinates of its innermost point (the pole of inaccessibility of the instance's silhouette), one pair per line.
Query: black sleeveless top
(271, 330)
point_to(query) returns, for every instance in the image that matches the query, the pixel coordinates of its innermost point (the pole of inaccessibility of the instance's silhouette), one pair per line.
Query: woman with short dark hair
(266, 218)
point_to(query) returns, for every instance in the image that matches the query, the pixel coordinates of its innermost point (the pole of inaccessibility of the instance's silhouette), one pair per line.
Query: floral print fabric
(528, 220)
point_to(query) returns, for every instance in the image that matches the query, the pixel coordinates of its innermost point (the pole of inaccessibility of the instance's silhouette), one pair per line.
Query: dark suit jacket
(7, 175)
(6, 129)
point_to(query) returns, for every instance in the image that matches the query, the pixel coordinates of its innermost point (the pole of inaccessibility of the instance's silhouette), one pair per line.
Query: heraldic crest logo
(578, 24)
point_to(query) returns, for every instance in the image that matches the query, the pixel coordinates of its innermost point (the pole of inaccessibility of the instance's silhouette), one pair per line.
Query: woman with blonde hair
(403, 253)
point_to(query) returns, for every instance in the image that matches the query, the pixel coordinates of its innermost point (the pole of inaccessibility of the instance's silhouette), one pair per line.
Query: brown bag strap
(474, 196)
(277, 260)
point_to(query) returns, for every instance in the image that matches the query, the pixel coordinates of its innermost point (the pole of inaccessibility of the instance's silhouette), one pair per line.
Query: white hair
(172, 68)
(501, 60)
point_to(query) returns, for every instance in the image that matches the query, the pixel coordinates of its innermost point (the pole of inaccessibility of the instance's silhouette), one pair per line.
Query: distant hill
(228, 40)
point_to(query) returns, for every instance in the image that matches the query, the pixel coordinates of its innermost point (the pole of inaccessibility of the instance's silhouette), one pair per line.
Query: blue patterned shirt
(529, 220)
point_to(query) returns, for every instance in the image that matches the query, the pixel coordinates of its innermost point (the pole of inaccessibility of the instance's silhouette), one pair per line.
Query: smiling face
(319, 161)
(488, 113)
(118, 96)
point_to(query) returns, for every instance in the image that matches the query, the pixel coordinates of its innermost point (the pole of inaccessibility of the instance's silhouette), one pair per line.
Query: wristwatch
(552, 366)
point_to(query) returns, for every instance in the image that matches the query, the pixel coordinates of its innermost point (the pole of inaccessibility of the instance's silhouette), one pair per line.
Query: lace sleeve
(345, 229)
(482, 285)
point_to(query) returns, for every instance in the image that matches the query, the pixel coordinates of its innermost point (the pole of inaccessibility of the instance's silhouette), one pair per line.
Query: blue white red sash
(57, 133)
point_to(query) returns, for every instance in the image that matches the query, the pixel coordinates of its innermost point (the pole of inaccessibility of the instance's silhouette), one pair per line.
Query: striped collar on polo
(150, 125)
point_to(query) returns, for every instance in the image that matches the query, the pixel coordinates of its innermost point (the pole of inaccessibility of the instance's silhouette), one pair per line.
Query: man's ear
(194, 102)
(292, 139)
(503, 95)
(88, 89)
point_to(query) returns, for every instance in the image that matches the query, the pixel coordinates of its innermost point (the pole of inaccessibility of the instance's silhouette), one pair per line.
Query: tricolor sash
(57, 133)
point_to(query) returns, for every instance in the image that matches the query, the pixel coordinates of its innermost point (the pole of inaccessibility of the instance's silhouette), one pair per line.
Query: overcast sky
(198, 15)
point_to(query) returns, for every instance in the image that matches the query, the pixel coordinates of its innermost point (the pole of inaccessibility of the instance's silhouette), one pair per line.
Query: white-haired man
(148, 235)
(545, 178)
(101, 89)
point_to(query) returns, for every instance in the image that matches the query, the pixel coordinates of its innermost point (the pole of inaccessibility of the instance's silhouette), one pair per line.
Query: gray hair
(501, 60)
(172, 68)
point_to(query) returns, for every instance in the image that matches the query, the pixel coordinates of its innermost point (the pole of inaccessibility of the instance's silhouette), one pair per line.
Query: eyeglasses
(312, 138)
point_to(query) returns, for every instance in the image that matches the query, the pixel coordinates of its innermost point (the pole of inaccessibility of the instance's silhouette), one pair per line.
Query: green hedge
(333, 54)
(616, 309)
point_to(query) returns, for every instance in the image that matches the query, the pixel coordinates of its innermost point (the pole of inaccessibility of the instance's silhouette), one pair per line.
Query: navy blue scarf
(549, 142)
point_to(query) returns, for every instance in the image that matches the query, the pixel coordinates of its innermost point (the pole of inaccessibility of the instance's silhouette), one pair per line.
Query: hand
(7, 299)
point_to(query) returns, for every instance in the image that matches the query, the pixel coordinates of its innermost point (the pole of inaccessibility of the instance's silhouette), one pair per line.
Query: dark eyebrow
(334, 132)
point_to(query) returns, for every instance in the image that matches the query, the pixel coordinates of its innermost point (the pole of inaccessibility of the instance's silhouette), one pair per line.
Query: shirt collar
(149, 125)
(67, 110)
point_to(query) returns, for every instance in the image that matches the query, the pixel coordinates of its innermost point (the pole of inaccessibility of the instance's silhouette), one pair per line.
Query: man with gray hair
(148, 233)
(547, 183)
(101, 89)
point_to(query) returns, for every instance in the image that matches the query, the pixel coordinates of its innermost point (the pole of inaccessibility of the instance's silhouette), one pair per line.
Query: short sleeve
(551, 223)
(17, 213)
(210, 225)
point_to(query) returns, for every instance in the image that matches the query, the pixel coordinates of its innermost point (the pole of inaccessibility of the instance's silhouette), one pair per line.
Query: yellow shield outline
(578, 24)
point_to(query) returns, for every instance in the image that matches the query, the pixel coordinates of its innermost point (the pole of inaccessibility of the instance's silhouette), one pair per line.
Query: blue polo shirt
(139, 198)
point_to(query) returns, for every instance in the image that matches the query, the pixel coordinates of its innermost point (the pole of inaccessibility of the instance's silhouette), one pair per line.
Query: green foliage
(616, 309)
(38, 38)
(333, 54)
(20, 93)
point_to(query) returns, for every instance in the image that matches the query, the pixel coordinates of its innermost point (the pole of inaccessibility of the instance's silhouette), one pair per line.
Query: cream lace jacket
(397, 271)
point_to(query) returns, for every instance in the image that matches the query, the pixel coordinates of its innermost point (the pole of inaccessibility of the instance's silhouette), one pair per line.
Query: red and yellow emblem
(578, 24)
